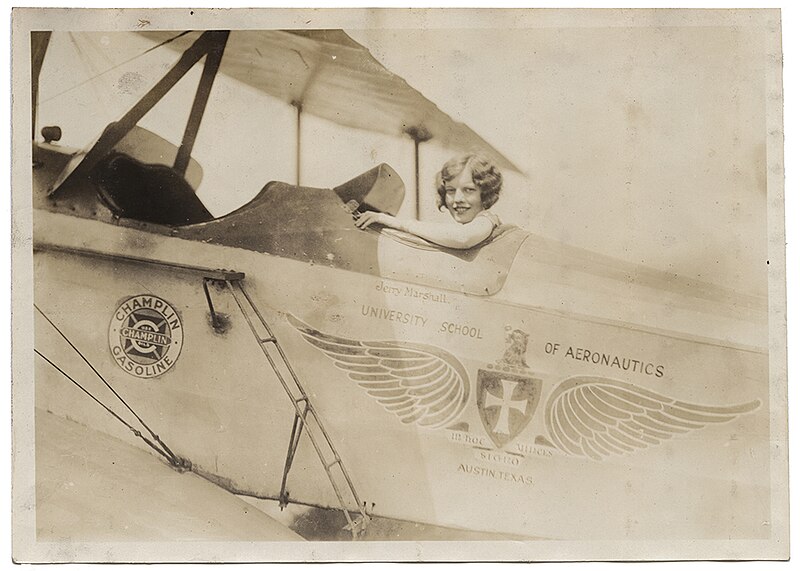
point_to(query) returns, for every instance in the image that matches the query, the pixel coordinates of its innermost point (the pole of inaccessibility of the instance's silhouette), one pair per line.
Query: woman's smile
(463, 198)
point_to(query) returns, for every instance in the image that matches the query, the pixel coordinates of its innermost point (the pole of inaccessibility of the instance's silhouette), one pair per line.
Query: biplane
(519, 388)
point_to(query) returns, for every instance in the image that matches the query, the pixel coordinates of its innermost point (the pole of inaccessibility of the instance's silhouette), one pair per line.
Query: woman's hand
(370, 217)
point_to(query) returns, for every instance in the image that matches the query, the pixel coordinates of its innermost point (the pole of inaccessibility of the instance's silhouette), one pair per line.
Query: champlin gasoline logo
(145, 336)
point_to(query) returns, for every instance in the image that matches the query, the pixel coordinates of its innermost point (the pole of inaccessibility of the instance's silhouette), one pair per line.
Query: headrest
(380, 188)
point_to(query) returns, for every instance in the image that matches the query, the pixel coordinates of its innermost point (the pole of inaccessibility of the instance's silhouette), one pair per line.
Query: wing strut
(299, 106)
(39, 43)
(210, 69)
(418, 135)
(115, 132)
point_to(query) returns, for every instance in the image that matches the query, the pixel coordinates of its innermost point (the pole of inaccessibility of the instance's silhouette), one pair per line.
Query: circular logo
(145, 336)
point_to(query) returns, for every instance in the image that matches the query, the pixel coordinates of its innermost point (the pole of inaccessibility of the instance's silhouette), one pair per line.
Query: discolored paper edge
(25, 546)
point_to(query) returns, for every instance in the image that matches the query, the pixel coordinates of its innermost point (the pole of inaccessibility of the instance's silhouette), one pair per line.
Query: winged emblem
(597, 417)
(419, 383)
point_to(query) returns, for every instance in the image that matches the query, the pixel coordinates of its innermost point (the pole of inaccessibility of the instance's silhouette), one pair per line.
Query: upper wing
(418, 383)
(596, 417)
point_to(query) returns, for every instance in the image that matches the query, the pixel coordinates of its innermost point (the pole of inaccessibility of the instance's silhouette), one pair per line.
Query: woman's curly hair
(486, 176)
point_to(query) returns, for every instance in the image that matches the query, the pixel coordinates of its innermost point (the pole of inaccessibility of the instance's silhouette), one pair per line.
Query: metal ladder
(305, 415)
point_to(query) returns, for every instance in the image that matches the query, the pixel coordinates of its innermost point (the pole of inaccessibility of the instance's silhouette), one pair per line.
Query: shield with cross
(506, 403)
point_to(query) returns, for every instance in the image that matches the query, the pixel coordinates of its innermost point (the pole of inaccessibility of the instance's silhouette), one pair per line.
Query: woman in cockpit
(467, 186)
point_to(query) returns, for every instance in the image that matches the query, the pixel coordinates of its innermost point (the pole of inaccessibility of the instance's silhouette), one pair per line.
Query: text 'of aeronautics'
(611, 360)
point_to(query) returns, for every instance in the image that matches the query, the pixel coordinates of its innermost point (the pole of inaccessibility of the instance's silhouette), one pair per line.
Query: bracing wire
(136, 432)
(165, 450)
(112, 68)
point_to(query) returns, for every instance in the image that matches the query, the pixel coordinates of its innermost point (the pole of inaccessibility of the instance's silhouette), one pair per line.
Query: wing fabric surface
(419, 383)
(334, 77)
(596, 417)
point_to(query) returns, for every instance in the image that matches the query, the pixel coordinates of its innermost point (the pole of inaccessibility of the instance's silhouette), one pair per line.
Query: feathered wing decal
(419, 383)
(596, 417)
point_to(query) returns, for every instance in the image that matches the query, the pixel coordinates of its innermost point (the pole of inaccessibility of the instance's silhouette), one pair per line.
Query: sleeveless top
(493, 218)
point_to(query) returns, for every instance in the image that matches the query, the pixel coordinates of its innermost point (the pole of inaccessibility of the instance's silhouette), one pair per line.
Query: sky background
(645, 143)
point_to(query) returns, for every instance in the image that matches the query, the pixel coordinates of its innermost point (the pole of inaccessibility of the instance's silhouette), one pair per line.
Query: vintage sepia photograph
(398, 285)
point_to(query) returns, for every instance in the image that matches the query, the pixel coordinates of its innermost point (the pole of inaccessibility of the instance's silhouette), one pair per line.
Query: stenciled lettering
(501, 475)
(467, 438)
(498, 457)
(460, 329)
(393, 315)
(611, 360)
(533, 450)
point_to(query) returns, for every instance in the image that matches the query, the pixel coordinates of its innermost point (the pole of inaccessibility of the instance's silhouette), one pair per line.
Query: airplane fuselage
(536, 364)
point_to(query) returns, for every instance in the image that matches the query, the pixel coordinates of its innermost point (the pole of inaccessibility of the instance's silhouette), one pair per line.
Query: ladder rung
(321, 442)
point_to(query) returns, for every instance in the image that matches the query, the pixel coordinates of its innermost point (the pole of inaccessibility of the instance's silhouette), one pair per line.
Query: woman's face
(462, 198)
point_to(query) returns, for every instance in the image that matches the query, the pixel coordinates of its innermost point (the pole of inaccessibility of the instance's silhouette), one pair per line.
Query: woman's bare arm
(459, 236)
